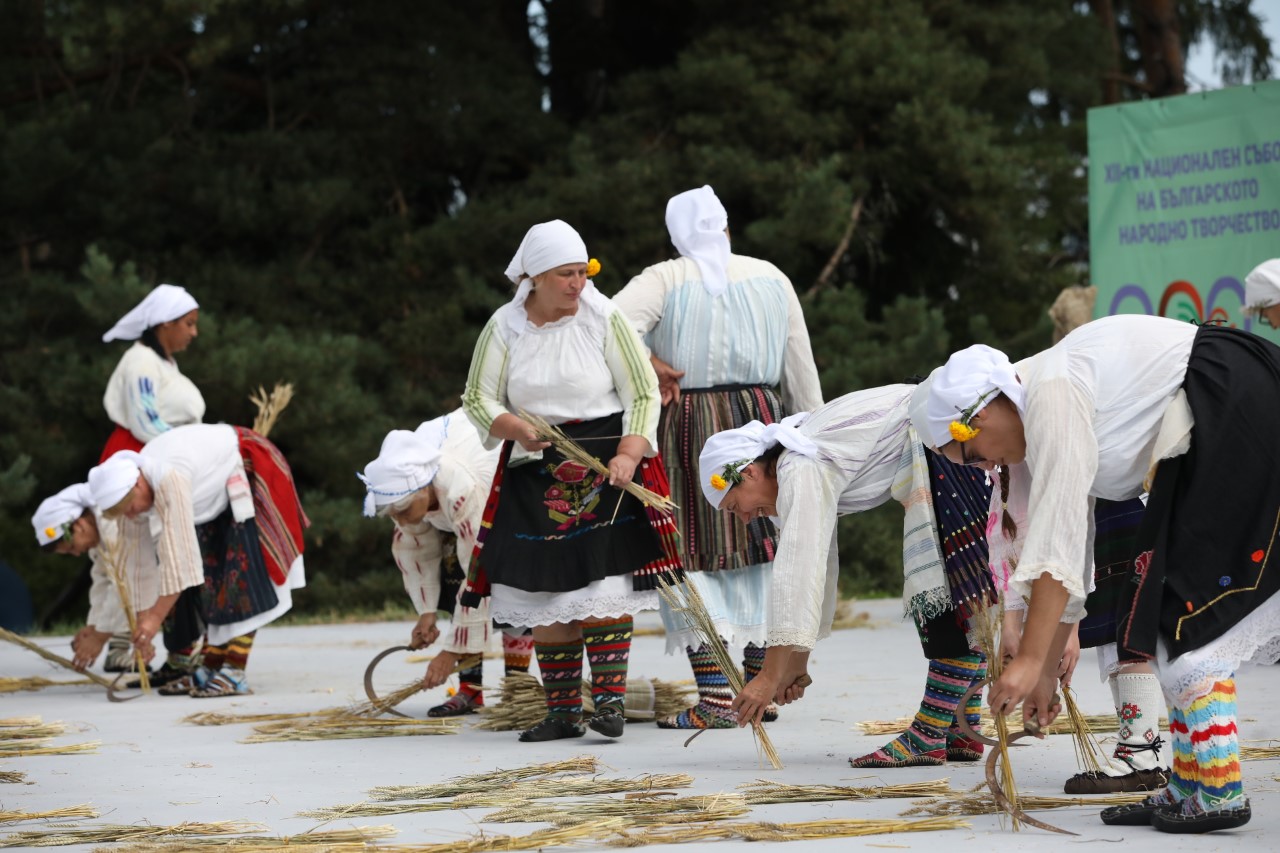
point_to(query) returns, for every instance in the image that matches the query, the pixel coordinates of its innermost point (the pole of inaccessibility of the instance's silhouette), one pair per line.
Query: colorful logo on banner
(1181, 300)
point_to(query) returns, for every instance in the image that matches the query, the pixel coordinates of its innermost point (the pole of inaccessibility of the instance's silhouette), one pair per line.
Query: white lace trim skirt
(1255, 638)
(603, 599)
(736, 599)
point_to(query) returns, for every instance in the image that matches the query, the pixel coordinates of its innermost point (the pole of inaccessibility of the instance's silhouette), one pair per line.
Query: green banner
(1184, 200)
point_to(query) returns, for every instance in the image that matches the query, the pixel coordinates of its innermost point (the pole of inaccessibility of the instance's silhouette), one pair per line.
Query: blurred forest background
(340, 183)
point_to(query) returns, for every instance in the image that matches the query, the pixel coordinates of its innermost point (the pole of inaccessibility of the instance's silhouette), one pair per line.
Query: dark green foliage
(341, 183)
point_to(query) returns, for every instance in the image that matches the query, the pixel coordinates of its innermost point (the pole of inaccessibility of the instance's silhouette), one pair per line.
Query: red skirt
(120, 439)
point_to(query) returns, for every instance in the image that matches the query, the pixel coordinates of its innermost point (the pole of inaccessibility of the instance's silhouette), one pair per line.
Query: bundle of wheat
(345, 728)
(760, 792)
(973, 803)
(13, 685)
(32, 730)
(22, 749)
(354, 840)
(115, 832)
(637, 812)
(12, 777)
(494, 780)
(270, 406)
(84, 810)
(512, 794)
(802, 831)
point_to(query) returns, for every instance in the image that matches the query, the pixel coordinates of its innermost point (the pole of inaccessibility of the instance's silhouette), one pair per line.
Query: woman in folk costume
(433, 483)
(1092, 417)
(226, 516)
(147, 395)
(730, 329)
(565, 550)
(1262, 292)
(69, 523)
(853, 454)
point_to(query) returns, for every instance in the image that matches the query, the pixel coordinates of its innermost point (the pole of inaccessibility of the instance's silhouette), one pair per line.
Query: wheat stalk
(13, 685)
(115, 832)
(12, 777)
(1082, 740)
(685, 599)
(980, 804)
(761, 792)
(270, 406)
(494, 780)
(346, 728)
(84, 810)
(111, 551)
(575, 453)
(33, 730)
(355, 839)
(6, 634)
(511, 794)
(637, 812)
(542, 839)
(808, 830)
(20, 749)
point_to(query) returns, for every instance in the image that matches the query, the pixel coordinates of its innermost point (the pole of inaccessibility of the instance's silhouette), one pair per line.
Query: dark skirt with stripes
(1115, 544)
(961, 503)
(714, 539)
(1206, 541)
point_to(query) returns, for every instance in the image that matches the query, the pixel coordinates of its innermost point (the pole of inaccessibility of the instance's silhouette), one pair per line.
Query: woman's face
(755, 497)
(1000, 440)
(1270, 316)
(416, 507)
(558, 290)
(177, 335)
(84, 535)
(141, 500)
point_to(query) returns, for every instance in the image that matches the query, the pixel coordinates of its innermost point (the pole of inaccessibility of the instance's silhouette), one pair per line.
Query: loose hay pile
(637, 812)
(69, 812)
(114, 832)
(346, 728)
(495, 780)
(358, 838)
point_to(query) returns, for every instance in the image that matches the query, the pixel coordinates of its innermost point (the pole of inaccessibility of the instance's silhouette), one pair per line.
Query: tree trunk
(1105, 11)
(1160, 43)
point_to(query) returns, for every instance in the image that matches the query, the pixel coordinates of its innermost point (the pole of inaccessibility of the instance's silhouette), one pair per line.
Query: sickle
(1003, 802)
(962, 719)
(378, 701)
(111, 689)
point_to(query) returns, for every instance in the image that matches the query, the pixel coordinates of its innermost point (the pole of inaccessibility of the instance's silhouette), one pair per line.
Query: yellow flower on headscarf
(52, 533)
(719, 483)
(962, 432)
(593, 268)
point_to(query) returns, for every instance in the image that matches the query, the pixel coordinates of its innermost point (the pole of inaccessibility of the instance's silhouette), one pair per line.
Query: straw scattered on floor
(1259, 753)
(637, 812)
(12, 777)
(31, 730)
(1098, 724)
(491, 781)
(69, 812)
(357, 838)
(761, 792)
(513, 794)
(980, 803)
(801, 831)
(20, 749)
(348, 728)
(544, 838)
(110, 833)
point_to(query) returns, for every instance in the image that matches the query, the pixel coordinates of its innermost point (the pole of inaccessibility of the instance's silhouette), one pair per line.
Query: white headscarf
(55, 514)
(112, 480)
(726, 453)
(1262, 287)
(166, 302)
(546, 246)
(696, 221)
(966, 383)
(407, 462)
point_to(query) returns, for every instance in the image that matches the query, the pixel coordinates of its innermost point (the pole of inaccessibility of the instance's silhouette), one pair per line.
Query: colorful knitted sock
(561, 667)
(608, 646)
(184, 658)
(1215, 749)
(237, 654)
(470, 682)
(214, 656)
(925, 740)
(752, 663)
(714, 695)
(1138, 701)
(516, 653)
(960, 747)
(1185, 777)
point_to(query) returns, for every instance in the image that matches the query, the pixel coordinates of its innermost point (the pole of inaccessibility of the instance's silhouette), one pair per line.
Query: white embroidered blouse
(148, 395)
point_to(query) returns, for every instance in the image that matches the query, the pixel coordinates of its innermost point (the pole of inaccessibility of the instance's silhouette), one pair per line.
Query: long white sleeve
(177, 548)
(806, 568)
(416, 549)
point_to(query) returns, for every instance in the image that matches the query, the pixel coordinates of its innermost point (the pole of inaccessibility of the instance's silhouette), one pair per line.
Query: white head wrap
(407, 462)
(112, 480)
(1262, 287)
(56, 513)
(166, 302)
(546, 246)
(696, 221)
(966, 382)
(726, 453)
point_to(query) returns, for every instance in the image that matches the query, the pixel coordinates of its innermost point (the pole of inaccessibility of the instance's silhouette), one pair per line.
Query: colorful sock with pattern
(1185, 777)
(470, 681)
(608, 647)
(960, 747)
(924, 743)
(213, 657)
(1138, 702)
(714, 695)
(752, 663)
(185, 658)
(517, 652)
(237, 650)
(561, 668)
(1215, 749)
